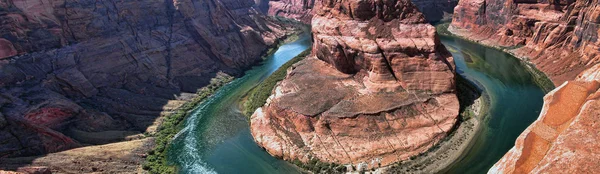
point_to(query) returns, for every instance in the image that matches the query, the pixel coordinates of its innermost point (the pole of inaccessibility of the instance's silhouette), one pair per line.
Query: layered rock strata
(296, 9)
(302, 10)
(83, 72)
(378, 88)
(559, 37)
(564, 139)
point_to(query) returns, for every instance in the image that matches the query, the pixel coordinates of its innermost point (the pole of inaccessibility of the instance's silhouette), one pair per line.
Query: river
(216, 136)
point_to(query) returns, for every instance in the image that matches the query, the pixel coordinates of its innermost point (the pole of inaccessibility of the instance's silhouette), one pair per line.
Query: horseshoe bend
(379, 87)
(299, 86)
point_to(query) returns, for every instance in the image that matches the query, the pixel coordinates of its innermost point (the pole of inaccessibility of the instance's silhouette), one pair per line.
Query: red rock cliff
(378, 88)
(565, 137)
(559, 37)
(73, 67)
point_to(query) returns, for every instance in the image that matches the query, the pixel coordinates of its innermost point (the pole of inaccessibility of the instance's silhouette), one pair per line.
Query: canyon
(378, 88)
(560, 39)
(295, 9)
(83, 83)
(302, 10)
(565, 137)
(80, 73)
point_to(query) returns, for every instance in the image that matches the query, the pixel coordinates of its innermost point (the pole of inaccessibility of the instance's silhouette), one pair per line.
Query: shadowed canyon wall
(378, 88)
(79, 72)
(302, 10)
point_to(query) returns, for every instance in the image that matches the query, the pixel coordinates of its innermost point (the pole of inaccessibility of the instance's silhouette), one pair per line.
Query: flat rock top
(313, 87)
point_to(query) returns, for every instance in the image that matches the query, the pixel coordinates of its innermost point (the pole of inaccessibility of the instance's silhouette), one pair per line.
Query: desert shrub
(259, 95)
(156, 160)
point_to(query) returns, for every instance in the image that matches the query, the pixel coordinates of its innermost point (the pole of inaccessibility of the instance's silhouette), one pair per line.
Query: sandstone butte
(88, 72)
(564, 139)
(377, 89)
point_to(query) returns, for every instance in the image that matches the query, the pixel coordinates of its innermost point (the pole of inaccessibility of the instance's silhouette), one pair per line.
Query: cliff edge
(564, 139)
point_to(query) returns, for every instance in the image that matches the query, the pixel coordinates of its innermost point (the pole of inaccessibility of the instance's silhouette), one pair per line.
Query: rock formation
(296, 9)
(378, 88)
(559, 37)
(434, 10)
(74, 70)
(565, 137)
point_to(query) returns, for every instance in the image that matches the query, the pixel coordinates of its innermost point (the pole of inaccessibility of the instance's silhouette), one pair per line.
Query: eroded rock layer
(564, 139)
(296, 9)
(559, 37)
(378, 88)
(302, 10)
(76, 72)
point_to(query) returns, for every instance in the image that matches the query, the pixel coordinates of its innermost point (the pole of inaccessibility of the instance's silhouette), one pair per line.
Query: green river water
(216, 136)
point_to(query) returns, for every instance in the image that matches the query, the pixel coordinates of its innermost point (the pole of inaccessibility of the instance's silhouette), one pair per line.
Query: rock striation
(73, 71)
(377, 89)
(565, 136)
(296, 9)
(302, 10)
(559, 37)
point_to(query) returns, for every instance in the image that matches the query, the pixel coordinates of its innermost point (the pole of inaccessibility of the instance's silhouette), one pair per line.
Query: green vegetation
(297, 30)
(156, 161)
(258, 96)
(539, 78)
(467, 92)
(316, 166)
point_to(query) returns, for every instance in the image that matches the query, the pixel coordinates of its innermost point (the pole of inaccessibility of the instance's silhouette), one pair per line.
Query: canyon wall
(80, 72)
(302, 10)
(564, 139)
(296, 9)
(378, 88)
(559, 37)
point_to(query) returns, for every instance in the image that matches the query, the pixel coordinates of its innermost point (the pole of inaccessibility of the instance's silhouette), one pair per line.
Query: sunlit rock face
(72, 68)
(564, 139)
(559, 37)
(377, 89)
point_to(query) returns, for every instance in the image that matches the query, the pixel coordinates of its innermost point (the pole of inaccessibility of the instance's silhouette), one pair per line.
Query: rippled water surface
(515, 101)
(216, 137)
